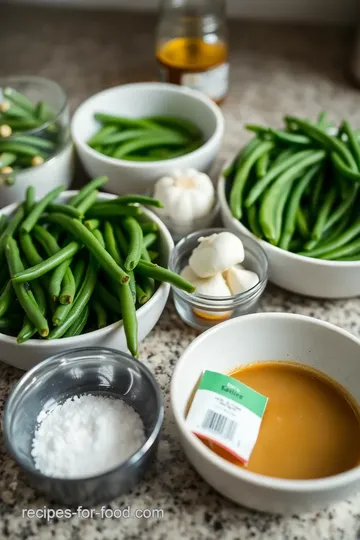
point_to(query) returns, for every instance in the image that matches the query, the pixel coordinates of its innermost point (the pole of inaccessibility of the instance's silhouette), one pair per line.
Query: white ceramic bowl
(266, 336)
(30, 353)
(146, 99)
(298, 274)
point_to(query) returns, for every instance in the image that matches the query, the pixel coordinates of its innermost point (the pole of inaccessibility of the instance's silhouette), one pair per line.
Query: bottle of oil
(192, 46)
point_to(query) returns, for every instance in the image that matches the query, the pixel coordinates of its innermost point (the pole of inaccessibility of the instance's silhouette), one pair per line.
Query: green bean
(9, 322)
(57, 279)
(121, 240)
(282, 136)
(330, 143)
(145, 255)
(153, 255)
(353, 142)
(22, 149)
(105, 210)
(6, 159)
(12, 111)
(30, 307)
(135, 237)
(140, 199)
(79, 272)
(68, 288)
(3, 223)
(149, 227)
(143, 142)
(79, 324)
(124, 122)
(275, 170)
(317, 192)
(11, 228)
(64, 209)
(109, 300)
(19, 99)
(52, 262)
(77, 229)
(39, 295)
(129, 318)
(184, 150)
(99, 237)
(262, 165)
(43, 112)
(179, 123)
(335, 243)
(22, 124)
(6, 298)
(323, 214)
(343, 169)
(118, 137)
(149, 239)
(31, 253)
(241, 177)
(272, 205)
(27, 331)
(101, 135)
(353, 258)
(100, 314)
(36, 142)
(163, 274)
(97, 183)
(141, 297)
(301, 223)
(340, 211)
(111, 245)
(87, 202)
(345, 251)
(293, 207)
(81, 300)
(147, 284)
(92, 224)
(29, 199)
(31, 220)
(253, 221)
(46, 240)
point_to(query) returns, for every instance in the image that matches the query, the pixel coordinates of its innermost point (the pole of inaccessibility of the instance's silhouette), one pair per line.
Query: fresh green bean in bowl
(69, 269)
(31, 132)
(298, 188)
(154, 138)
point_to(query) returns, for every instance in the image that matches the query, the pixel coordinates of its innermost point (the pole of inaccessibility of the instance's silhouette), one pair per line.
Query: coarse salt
(85, 436)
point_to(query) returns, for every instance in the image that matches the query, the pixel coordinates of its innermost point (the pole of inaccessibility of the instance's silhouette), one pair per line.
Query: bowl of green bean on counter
(297, 190)
(81, 268)
(35, 143)
(137, 133)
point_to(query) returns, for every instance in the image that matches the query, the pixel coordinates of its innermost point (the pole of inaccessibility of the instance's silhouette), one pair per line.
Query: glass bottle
(192, 46)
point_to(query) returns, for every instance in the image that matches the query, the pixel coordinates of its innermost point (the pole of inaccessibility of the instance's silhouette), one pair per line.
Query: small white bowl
(302, 275)
(139, 100)
(30, 353)
(259, 337)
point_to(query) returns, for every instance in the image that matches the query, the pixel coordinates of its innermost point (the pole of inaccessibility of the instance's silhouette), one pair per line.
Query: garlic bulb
(212, 286)
(186, 196)
(240, 280)
(216, 254)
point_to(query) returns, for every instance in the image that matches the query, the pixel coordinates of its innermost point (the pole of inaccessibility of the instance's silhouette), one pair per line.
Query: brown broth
(311, 425)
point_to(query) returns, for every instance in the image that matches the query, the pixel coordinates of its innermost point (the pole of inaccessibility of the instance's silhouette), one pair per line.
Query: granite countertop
(275, 69)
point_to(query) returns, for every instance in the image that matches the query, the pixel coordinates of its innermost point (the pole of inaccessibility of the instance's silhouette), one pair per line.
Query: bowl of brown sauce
(305, 442)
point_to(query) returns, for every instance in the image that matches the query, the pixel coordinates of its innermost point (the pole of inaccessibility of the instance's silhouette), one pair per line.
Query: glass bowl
(202, 312)
(84, 371)
(57, 167)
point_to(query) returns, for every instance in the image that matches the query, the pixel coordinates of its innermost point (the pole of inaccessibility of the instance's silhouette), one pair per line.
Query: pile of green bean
(29, 134)
(299, 188)
(71, 268)
(154, 138)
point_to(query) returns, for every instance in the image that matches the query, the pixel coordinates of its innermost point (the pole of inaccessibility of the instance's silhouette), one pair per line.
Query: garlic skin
(212, 286)
(240, 280)
(186, 195)
(216, 254)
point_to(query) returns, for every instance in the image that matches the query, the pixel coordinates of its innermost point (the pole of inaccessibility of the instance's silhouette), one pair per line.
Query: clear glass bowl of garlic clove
(229, 272)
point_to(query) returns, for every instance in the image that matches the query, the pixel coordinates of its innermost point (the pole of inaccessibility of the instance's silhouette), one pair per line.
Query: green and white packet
(227, 413)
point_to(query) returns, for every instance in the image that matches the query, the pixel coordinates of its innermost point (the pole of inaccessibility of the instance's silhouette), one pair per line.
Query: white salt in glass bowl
(261, 337)
(28, 354)
(140, 100)
(302, 275)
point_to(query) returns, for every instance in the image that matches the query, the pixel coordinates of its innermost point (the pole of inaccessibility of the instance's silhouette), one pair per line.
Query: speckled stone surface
(275, 69)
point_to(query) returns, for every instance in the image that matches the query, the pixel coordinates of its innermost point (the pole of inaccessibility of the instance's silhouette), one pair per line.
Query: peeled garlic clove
(216, 253)
(212, 286)
(240, 280)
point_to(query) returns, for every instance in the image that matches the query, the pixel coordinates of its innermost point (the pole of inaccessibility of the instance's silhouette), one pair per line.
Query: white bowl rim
(100, 332)
(215, 109)
(318, 485)
(266, 245)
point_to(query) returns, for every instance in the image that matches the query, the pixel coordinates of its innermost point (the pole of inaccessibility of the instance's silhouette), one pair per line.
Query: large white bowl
(302, 275)
(146, 99)
(30, 353)
(266, 336)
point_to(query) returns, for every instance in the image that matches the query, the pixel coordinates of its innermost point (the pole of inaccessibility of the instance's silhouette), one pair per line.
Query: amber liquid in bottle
(195, 63)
